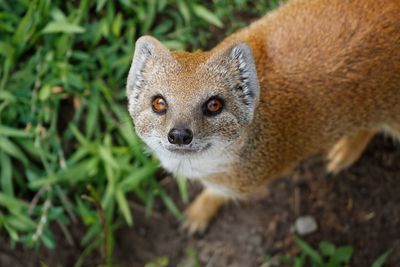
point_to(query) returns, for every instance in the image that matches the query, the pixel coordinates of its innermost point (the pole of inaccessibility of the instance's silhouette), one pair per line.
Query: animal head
(190, 104)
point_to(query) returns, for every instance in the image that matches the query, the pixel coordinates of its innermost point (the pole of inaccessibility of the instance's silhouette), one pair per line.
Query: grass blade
(12, 203)
(183, 189)
(62, 27)
(124, 206)
(169, 203)
(207, 15)
(11, 149)
(309, 251)
(6, 174)
(381, 260)
(13, 132)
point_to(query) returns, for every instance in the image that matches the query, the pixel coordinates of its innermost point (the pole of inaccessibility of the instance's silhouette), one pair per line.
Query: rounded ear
(242, 56)
(236, 64)
(146, 48)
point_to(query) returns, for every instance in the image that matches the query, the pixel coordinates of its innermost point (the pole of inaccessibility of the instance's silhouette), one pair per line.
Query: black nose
(180, 136)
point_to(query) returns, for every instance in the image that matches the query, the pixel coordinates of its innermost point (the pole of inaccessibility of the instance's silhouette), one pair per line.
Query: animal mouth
(183, 150)
(187, 150)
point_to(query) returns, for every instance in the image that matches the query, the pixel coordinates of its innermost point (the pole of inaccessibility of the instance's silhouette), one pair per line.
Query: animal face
(191, 105)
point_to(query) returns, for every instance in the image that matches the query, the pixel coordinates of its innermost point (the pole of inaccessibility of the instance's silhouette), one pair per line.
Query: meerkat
(312, 76)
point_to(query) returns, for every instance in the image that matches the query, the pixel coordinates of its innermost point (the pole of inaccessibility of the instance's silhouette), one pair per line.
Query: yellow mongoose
(314, 75)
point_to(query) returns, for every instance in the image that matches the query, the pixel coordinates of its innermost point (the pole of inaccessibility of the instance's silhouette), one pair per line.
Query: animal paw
(347, 151)
(201, 212)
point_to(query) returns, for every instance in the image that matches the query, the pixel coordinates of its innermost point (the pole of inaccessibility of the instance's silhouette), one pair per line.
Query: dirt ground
(360, 206)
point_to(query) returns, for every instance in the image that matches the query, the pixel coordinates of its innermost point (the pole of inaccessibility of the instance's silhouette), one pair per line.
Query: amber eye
(213, 106)
(159, 105)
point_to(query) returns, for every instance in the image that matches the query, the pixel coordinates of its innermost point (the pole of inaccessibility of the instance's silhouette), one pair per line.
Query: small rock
(305, 225)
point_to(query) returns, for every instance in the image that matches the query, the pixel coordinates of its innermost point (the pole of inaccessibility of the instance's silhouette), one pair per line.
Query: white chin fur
(213, 160)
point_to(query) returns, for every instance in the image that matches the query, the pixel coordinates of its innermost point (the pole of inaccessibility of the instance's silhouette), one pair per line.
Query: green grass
(190, 259)
(68, 151)
(327, 255)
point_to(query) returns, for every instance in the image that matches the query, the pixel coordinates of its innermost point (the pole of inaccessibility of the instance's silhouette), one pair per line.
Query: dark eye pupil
(159, 105)
(214, 105)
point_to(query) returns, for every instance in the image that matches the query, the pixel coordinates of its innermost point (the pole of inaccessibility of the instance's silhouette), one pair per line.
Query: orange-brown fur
(327, 69)
(329, 75)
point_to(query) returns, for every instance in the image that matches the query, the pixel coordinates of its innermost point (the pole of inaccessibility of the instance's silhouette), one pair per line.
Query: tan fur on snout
(315, 75)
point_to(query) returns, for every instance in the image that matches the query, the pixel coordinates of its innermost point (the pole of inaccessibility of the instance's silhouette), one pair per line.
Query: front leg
(347, 151)
(202, 210)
